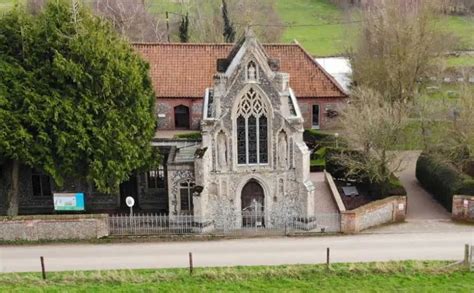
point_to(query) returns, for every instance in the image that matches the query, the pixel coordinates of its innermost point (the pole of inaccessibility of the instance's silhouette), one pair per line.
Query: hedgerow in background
(75, 100)
(442, 179)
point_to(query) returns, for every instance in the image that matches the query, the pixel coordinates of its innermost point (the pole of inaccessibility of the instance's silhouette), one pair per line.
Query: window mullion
(258, 138)
(246, 140)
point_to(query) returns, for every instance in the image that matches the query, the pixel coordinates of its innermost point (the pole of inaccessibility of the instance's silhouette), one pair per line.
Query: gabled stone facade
(252, 133)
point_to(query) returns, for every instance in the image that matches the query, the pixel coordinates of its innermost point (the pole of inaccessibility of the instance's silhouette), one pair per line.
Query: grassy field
(326, 40)
(408, 276)
(5, 5)
(320, 38)
(460, 61)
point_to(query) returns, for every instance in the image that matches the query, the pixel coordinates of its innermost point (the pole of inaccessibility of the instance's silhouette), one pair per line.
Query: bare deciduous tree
(398, 47)
(132, 19)
(460, 139)
(373, 126)
(447, 127)
(207, 23)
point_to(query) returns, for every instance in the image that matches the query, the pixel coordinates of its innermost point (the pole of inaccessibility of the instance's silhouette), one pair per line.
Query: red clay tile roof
(186, 70)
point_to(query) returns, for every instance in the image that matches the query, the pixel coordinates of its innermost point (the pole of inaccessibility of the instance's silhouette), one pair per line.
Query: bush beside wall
(190, 135)
(315, 139)
(442, 180)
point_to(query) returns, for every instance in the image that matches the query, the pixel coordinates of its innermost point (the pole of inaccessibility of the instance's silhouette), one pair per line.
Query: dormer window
(252, 74)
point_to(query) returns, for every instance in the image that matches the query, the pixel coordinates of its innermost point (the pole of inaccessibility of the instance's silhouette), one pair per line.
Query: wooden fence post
(190, 263)
(43, 271)
(472, 258)
(466, 255)
(327, 258)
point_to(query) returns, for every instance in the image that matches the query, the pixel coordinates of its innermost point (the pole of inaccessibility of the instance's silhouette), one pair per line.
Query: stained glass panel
(252, 137)
(263, 133)
(241, 154)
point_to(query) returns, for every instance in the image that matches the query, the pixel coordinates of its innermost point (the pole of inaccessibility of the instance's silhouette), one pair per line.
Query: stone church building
(251, 103)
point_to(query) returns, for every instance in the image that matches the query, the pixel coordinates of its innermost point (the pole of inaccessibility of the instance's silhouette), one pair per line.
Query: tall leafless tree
(206, 19)
(373, 126)
(132, 19)
(398, 48)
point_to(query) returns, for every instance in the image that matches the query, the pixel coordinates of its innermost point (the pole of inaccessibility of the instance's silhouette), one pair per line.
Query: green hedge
(442, 180)
(315, 139)
(189, 135)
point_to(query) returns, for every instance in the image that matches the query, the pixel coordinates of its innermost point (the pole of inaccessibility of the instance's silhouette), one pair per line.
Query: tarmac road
(257, 251)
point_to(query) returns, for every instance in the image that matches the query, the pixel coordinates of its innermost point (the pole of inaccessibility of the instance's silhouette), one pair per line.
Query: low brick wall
(463, 208)
(54, 227)
(388, 210)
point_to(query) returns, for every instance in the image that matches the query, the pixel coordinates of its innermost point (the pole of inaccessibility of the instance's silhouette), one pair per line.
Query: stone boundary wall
(388, 210)
(54, 227)
(463, 208)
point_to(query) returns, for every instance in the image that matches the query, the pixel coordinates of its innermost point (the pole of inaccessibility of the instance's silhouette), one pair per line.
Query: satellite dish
(130, 201)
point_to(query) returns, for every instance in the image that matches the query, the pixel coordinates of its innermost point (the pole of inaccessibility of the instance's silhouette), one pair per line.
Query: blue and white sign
(68, 201)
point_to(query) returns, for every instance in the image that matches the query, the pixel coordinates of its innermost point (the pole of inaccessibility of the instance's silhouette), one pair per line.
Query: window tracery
(252, 130)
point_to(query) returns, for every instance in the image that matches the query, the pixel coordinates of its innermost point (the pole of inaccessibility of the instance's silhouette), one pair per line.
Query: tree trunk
(12, 170)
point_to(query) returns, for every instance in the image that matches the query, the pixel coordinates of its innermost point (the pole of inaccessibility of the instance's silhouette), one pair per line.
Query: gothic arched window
(252, 130)
(252, 74)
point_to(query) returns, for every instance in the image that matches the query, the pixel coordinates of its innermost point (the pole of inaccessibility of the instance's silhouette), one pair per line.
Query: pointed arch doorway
(253, 205)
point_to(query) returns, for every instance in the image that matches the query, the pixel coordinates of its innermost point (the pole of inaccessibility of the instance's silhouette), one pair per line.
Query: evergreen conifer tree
(229, 30)
(75, 100)
(184, 29)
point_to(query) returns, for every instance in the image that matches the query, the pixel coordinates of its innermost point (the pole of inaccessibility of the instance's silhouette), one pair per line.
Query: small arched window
(252, 71)
(252, 130)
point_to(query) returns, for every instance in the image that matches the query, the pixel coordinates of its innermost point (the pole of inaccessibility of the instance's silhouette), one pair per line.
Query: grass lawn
(327, 40)
(408, 276)
(322, 39)
(461, 61)
(463, 28)
(5, 5)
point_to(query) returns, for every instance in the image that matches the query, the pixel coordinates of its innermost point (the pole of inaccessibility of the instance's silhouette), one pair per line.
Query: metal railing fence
(242, 224)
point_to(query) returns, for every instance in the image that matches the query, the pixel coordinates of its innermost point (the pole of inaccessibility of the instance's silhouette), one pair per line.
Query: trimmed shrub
(442, 179)
(318, 160)
(190, 135)
(316, 139)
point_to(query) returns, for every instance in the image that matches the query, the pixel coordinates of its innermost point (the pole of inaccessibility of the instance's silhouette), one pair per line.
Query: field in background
(326, 36)
(324, 39)
(5, 5)
(407, 276)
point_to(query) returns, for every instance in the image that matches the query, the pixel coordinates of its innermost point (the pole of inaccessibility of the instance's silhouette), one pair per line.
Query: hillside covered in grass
(320, 26)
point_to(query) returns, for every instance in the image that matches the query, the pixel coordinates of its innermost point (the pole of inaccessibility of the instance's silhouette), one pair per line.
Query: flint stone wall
(54, 227)
(388, 210)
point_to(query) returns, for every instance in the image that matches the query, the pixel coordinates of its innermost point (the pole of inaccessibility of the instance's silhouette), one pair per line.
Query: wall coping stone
(56, 217)
(334, 192)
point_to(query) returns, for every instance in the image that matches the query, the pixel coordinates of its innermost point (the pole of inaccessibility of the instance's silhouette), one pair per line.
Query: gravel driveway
(421, 204)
